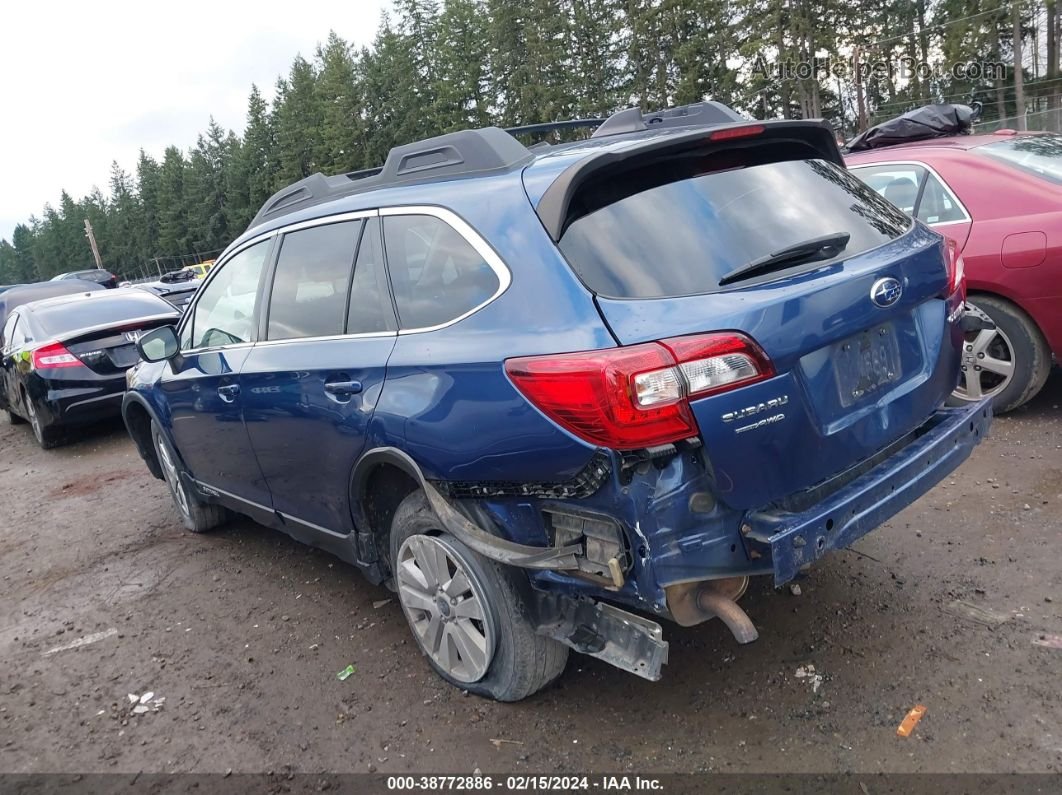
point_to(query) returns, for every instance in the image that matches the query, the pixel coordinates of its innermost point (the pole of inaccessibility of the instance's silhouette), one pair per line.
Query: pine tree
(173, 225)
(298, 121)
(204, 191)
(461, 77)
(147, 180)
(390, 103)
(252, 167)
(338, 139)
(25, 269)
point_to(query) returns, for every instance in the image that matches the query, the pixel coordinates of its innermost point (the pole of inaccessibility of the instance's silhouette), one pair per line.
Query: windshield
(1037, 154)
(682, 237)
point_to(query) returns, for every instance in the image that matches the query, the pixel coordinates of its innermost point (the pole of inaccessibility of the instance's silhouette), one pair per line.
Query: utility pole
(1019, 88)
(92, 242)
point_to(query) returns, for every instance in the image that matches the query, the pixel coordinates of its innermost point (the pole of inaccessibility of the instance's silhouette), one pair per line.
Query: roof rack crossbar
(553, 126)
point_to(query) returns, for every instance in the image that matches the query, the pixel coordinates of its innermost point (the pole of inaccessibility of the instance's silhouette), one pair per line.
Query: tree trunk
(1052, 66)
(923, 44)
(1019, 88)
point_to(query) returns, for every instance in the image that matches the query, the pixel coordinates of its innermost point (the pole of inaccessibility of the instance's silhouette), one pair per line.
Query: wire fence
(1050, 120)
(154, 269)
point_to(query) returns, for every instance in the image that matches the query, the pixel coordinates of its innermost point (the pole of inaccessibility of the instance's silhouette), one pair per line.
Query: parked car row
(999, 198)
(65, 349)
(64, 358)
(551, 396)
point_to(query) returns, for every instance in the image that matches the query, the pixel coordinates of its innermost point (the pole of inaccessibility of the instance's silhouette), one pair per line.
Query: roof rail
(470, 152)
(463, 153)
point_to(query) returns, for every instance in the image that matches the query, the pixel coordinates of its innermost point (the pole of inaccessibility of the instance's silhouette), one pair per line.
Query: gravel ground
(239, 635)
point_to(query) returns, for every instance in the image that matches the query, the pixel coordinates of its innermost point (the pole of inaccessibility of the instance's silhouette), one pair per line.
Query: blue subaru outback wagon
(553, 395)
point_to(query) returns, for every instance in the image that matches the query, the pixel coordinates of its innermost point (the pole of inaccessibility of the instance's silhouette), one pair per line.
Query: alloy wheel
(35, 421)
(987, 364)
(173, 478)
(446, 607)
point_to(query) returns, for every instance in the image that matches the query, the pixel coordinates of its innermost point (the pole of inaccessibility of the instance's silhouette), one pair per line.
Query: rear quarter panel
(447, 400)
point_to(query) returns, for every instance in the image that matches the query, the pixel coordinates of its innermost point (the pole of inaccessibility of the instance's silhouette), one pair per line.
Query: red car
(999, 197)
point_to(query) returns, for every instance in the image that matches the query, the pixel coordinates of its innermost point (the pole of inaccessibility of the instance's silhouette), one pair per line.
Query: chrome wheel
(173, 479)
(987, 364)
(446, 607)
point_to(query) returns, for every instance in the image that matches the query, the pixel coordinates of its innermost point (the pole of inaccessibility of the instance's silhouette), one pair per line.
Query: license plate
(125, 356)
(866, 363)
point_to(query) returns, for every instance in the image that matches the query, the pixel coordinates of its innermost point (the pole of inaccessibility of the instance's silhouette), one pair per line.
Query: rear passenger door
(311, 384)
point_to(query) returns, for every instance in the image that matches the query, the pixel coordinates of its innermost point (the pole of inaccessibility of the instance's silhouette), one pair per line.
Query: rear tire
(47, 437)
(1014, 358)
(196, 515)
(519, 661)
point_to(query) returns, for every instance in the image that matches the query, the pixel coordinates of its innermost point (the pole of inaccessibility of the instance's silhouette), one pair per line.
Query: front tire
(1010, 363)
(196, 515)
(468, 614)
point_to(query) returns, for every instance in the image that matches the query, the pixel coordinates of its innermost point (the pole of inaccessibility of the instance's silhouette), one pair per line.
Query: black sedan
(64, 359)
(19, 294)
(97, 275)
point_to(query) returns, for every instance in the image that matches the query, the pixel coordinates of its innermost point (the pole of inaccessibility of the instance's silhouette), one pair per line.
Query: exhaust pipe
(693, 603)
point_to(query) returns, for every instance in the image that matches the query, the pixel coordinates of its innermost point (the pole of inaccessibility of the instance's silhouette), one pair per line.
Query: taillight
(956, 269)
(638, 396)
(52, 356)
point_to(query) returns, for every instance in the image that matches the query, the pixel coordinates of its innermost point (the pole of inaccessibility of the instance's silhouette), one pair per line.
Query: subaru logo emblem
(886, 292)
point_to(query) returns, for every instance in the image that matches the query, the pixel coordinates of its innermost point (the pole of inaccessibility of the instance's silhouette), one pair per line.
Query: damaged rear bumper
(792, 540)
(630, 642)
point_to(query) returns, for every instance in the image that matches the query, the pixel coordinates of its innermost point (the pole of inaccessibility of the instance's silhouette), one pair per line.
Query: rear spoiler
(815, 138)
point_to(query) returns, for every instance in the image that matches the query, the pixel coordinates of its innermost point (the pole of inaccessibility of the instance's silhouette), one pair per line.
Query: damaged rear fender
(480, 539)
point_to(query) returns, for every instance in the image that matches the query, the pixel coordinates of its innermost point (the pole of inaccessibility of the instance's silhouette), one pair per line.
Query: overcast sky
(85, 83)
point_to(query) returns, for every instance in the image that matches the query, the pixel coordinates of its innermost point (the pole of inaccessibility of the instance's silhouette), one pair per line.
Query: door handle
(342, 387)
(229, 392)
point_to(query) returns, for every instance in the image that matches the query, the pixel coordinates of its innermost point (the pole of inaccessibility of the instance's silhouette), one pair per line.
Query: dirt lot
(242, 632)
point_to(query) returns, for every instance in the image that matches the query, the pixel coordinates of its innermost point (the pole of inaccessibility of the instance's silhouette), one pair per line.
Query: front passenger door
(201, 384)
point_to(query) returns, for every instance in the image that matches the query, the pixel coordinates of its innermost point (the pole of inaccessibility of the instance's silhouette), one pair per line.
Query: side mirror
(158, 344)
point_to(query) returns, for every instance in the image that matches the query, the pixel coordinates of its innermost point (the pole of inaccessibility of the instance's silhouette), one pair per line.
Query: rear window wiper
(817, 248)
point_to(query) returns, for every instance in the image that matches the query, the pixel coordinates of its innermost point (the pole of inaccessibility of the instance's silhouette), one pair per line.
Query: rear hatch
(844, 295)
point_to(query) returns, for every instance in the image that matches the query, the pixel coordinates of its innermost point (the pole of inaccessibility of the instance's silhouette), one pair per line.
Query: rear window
(681, 237)
(82, 313)
(1037, 154)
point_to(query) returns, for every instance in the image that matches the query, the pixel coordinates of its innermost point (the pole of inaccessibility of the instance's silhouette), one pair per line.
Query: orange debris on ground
(909, 723)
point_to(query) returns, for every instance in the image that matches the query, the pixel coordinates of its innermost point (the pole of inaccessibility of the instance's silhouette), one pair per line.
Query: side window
(896, 183)
(370, 304)
(938, 205)
(309, 295)
(225, 312)
(436, 274)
